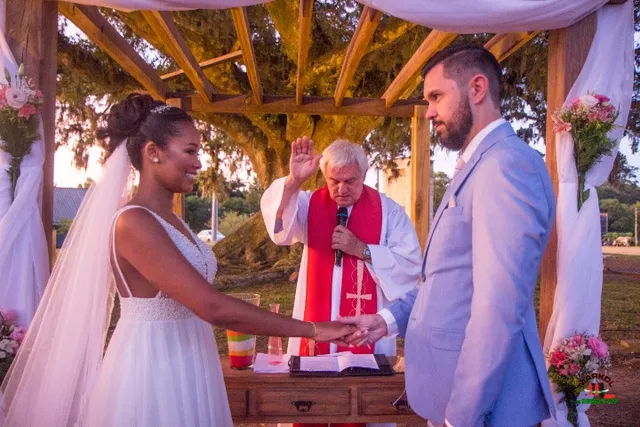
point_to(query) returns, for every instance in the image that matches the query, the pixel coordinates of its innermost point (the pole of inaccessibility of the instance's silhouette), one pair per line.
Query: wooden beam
(90, 21)
(205, 64)
(568, 49)
(272, 104)
(369, 20)
(241, 23)
(420, 172)
(504, 45)
(409, 77)
(304, 41)
(163, 25)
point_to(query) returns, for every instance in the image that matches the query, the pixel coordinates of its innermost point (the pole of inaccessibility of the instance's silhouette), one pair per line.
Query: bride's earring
(156, 160)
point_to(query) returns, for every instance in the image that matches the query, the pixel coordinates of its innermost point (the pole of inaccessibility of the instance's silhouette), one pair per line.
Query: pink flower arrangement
(11, 337)
(19, 122)
(572, 362)
(588, 119)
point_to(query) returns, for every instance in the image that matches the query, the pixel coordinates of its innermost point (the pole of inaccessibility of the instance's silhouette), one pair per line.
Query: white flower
(3, 354)
(589, 101)
(8, 346)
(16, 97)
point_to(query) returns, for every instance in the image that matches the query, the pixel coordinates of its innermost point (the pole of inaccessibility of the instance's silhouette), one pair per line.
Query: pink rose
(18, 333)
(573, 369)
(3, 96)
(557, 358)
(9, 315)
(601, 98)
(576, 341)
(27, 110)
(598, 347)
(563, 372)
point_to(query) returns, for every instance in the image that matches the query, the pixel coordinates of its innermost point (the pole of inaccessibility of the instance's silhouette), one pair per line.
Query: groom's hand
(371, 327)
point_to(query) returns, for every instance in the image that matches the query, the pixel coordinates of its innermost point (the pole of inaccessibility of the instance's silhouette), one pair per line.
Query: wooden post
(32, 34)
(420, 172)
(568, 49)
(179, 204)
(48, 84)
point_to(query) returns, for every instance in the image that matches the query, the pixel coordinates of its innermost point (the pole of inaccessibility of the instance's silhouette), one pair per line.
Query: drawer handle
(303, 405)
(402, 405)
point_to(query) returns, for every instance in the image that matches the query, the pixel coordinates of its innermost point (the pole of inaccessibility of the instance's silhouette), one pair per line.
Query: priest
(361, 251)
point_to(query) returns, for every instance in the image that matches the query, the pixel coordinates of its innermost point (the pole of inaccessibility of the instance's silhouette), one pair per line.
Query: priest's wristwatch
(366, 254)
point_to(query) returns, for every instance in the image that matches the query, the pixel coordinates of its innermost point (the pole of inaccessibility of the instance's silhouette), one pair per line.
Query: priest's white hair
(343, 153)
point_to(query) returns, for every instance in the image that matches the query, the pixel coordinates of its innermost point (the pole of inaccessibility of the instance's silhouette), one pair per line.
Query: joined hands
(351, 331)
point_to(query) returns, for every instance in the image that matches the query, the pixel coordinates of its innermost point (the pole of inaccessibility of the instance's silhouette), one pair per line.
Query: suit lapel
(498, 134)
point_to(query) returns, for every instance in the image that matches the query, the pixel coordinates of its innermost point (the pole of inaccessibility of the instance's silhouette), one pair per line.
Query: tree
(440, 183)
(89, 82)
(197, 212)
(231, 221)
(620, 215)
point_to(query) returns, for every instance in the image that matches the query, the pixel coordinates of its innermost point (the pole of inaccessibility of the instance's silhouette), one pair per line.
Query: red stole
(365, 221)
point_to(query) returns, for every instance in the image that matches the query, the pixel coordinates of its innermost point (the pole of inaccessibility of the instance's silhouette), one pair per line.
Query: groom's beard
(457, 129)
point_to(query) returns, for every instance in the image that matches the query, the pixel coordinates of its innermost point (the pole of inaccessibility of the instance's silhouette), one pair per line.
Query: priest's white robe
(395, 262)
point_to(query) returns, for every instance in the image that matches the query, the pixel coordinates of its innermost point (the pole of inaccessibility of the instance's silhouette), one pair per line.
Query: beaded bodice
(162, 307)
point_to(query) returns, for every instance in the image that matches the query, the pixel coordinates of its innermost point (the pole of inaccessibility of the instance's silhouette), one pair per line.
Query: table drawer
(391, 401)
(238, 402)
(302, 402)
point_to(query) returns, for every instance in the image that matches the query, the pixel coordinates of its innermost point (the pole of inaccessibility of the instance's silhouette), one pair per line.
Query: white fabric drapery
(608, 70)
(577, 300)
(488, 16)
(24, 261)
(169, 4)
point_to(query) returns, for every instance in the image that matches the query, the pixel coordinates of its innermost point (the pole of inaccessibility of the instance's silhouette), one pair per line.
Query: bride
(161, 368)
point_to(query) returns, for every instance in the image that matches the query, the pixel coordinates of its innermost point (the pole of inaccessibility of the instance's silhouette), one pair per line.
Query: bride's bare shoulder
(135, 219)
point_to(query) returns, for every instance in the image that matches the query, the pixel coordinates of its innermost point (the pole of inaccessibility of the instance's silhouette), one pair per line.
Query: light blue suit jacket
(472, 350)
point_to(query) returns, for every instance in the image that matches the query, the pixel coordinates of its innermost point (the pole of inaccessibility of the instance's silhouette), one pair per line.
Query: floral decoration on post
(11, 337)
(572, 363)
(589, 119)
(19, 121)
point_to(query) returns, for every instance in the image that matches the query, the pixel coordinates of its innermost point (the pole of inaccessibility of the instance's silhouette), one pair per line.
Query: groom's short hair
(463, 61)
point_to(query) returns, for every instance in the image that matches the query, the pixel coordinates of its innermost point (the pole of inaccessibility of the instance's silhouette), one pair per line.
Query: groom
(472, 351)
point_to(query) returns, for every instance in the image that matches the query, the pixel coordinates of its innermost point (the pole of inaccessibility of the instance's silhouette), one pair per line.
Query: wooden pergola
(32, 34)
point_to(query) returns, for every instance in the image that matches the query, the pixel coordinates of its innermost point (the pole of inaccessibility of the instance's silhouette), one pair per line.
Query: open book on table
(341, 364)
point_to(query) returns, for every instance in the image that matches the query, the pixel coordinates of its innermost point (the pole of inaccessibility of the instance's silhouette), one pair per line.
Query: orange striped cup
(242, 347)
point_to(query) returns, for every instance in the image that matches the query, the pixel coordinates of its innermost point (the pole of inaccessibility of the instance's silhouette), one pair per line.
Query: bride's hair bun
(138, 119)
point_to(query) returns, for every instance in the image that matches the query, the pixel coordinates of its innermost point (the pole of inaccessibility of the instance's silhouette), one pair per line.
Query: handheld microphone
(342, 217)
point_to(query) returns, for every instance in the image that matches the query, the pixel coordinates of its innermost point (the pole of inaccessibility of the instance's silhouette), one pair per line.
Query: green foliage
(197, 212)
(246, 202)
(231, 221)
(17, 134)
(628, 194)
(65, 225)
(440, 183)
(620, 215)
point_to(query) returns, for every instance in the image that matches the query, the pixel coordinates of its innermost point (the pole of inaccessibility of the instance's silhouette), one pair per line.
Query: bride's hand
(329, 331)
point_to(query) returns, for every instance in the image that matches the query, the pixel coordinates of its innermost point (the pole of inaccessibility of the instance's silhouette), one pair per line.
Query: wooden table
(272, 398)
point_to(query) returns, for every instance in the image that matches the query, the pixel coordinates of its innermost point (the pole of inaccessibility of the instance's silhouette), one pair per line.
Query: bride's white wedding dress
(161, 367)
